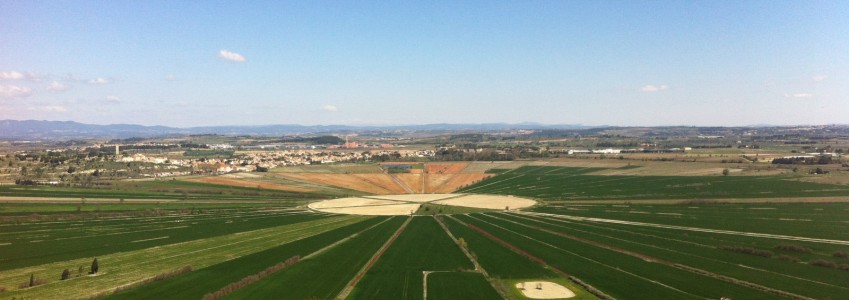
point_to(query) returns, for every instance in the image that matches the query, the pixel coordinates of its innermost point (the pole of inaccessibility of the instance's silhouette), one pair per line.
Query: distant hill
(34, 129)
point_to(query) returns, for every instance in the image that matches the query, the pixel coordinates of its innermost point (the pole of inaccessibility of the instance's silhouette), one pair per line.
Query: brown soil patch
(458, 181)
(446, 168)
(346, 181)
(382, 180)
(414, 181)
(246, 183)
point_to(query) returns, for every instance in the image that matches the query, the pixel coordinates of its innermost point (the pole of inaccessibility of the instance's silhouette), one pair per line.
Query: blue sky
(197, 63)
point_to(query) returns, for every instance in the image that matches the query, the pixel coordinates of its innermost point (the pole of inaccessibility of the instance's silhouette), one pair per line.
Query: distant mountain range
(34, 129)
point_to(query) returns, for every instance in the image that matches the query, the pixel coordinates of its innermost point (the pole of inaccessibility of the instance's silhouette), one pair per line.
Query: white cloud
(15, 75)
(820, 78)
(653, 89)
(56, 87)
(171, 77)
(799, 95)
(48, 108)
(329, 107)
(231, 56)
(113, 99)
(99, 80)
(11, 91)
(54, 108)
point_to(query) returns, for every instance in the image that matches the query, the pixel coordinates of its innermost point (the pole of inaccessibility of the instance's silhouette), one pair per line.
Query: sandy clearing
(415, 197)
(348, 202)
(544, 290)
(379, 210)
(246, 183)
(488, 201)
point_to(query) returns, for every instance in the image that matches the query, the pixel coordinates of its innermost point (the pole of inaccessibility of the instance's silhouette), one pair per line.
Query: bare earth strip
(348, 202)
(415, 197)
(378, 210)
(488, 201)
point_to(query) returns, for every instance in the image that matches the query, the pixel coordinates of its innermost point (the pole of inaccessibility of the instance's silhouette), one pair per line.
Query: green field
(198, 283)
(713, 247)
(562, 183)
(313, 278)
(423, 246)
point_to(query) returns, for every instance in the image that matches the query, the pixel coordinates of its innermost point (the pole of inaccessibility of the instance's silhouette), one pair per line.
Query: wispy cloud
(231, 56)
(329, 107)
(799, 95)
(13, 91)
(170, 77)
(100, 80)
(653, 88)
(56, 87)
(113, 99)
(15, 75)
(820, 78)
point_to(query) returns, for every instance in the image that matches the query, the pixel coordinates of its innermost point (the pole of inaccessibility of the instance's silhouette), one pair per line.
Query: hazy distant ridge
(34, 129)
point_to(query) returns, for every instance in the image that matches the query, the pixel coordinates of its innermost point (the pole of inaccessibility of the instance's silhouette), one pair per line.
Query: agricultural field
(596, 230)
(571, 183)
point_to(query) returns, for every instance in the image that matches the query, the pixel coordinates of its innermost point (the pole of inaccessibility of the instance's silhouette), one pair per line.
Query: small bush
(829, 264)
(747, 250)
(65, 275)
(789, 258)
(840, 254)
(794, 248)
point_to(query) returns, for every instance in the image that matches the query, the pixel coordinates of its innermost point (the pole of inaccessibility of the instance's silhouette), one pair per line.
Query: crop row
(616, 273)
(196, 284)
(572, 184)
(37, 243)
(820, 220)
(704, 253)
(324, 275)
(121, 268)
(424, 246)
